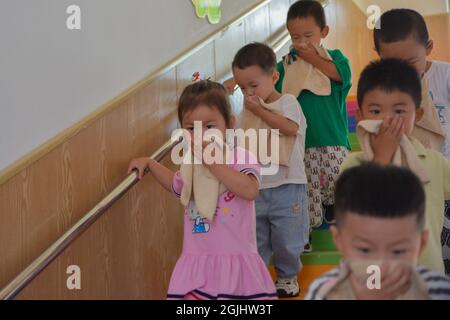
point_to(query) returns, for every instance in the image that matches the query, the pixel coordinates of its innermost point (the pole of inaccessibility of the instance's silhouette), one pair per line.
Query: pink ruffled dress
(220, 259)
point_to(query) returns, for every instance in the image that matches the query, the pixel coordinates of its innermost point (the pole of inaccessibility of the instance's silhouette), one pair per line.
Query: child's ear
(276, 77)
(430, 47)
(325, 31)
(336, 237)
(419, 114)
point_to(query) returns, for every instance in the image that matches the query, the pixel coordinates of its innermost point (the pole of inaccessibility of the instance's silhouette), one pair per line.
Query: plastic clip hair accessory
(196, 77)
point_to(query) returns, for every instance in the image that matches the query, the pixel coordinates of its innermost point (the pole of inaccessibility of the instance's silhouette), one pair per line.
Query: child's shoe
(308, 248)
(287, 288)
(329, 214)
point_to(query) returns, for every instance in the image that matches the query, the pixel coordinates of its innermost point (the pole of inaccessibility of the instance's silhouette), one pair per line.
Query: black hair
(308, 8)
(206, 92)
(390, 75)
(385, 192)
(256, 54)
(398, 25)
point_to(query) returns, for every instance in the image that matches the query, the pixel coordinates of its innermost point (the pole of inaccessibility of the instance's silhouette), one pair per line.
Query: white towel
(286, 143)
(405, 156)
(200, 185)
(301, 75)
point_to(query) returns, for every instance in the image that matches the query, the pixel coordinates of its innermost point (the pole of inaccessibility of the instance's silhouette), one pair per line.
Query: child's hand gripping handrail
(38, 265)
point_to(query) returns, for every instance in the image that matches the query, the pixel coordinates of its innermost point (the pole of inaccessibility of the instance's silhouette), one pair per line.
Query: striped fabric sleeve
(245, 162)
(438, 284)
(315, 287)
(253, 172)
(177, 184)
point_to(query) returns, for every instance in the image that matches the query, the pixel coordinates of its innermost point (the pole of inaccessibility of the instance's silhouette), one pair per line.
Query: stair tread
(321, 258)
(322, 240)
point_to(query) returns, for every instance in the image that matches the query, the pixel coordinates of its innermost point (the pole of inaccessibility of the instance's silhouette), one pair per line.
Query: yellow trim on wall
(24, 162)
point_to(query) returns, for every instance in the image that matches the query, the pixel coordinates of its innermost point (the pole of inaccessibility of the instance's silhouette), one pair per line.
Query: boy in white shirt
(282, 218)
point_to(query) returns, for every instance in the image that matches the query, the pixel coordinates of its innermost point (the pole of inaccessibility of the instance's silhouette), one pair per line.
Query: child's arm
(386, 142)
(286, 126)
(310, 55)
(163, 175)
(242, 185)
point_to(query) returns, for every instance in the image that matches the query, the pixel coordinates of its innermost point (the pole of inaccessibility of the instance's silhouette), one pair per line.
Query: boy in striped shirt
(380, 214)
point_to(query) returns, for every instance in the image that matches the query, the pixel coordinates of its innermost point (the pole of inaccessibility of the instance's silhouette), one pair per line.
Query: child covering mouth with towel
(389, 96)
(380, 219)
(282, 220)
(320, 79)
(405, 36)
(220, 258)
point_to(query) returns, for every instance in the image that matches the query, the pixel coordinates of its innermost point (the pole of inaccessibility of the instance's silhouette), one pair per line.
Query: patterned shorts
(322, 169)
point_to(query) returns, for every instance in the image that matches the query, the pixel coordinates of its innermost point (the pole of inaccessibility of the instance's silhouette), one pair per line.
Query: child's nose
(301, 41)
(386, 115)
(391, 116)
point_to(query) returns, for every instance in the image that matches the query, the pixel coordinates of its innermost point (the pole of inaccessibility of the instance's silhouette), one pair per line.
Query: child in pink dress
(220, 259)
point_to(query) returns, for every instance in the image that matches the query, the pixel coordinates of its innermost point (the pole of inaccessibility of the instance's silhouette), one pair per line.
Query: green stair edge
(324, 250)
(321, 258)
(322, 240)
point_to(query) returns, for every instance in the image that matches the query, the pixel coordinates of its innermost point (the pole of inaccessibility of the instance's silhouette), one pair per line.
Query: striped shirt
(438, 285)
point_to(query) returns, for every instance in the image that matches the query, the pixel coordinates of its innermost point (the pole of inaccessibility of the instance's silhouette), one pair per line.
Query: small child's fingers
(392, 278)
(131, 168)
(384, 269)
(384, 125)
(402, 283)
(400, 128)
(254, 100)
(139, 172)
(396, 125)
(136, 170)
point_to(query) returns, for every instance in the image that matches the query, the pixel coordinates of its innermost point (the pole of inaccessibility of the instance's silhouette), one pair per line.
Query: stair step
(322, 240)
(321, 258)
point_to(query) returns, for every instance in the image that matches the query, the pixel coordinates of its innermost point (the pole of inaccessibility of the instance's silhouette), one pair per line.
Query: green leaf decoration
(208, 9)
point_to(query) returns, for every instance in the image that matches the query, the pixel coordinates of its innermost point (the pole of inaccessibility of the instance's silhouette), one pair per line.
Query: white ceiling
(426, 8)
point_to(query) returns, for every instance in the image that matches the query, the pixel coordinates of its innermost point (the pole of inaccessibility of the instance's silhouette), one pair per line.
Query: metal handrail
(11, 290)
(38, 265)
